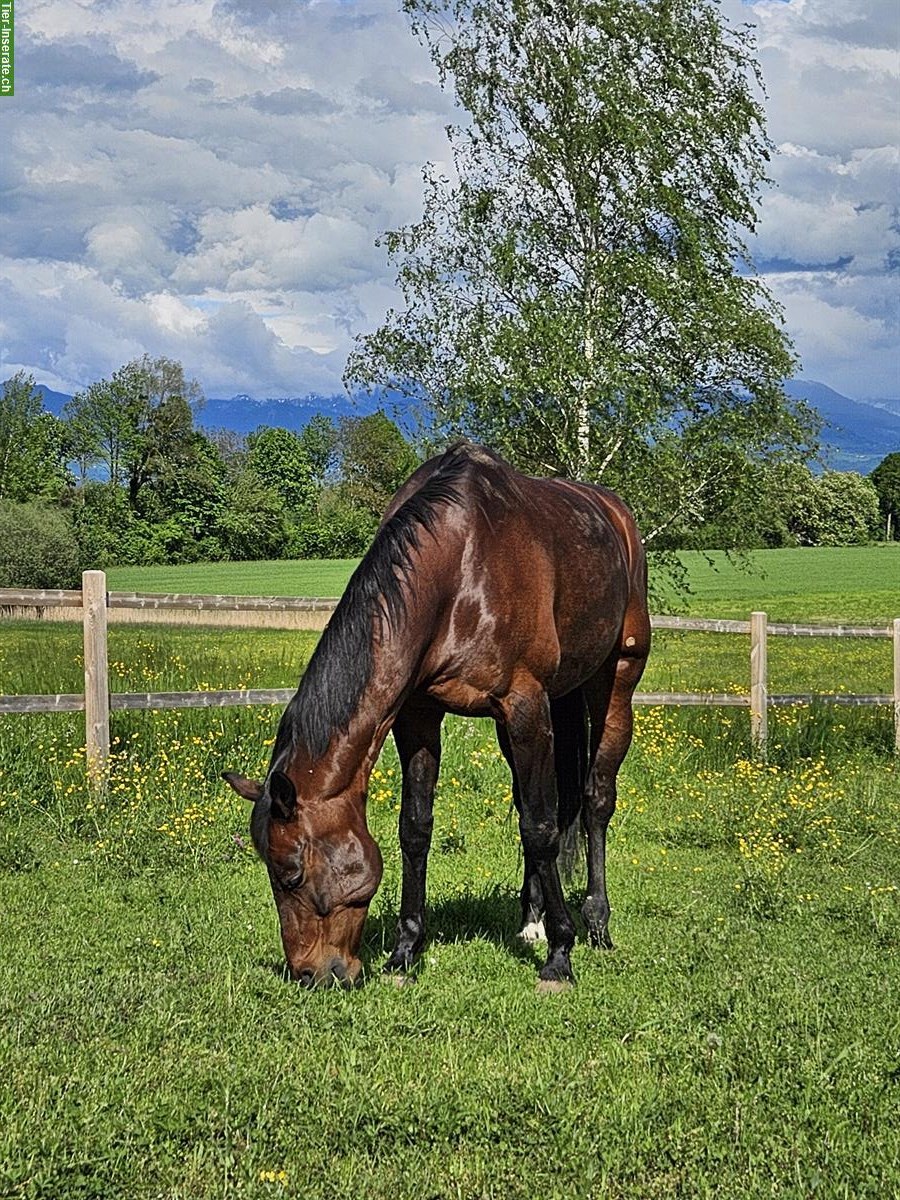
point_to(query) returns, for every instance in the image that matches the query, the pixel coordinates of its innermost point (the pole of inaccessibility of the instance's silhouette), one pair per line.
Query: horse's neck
(351, 754)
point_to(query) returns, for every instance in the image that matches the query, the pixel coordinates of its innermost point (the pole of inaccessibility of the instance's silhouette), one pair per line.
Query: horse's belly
(457, 696)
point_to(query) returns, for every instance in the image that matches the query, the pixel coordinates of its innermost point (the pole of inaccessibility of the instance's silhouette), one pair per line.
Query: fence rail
(95, 603)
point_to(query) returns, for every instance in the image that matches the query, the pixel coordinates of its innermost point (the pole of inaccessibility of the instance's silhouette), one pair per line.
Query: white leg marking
(533, 932)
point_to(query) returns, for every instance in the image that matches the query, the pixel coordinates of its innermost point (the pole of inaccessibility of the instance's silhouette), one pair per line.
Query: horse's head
(324, 868)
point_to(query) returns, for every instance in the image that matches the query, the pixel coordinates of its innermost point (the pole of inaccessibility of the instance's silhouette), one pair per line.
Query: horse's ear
(248, 788)
(283, 795)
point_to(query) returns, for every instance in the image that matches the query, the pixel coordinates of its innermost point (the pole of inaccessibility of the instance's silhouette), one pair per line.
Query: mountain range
(856, 437)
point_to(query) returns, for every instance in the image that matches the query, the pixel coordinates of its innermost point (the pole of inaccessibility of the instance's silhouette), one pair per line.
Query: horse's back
(536, 576)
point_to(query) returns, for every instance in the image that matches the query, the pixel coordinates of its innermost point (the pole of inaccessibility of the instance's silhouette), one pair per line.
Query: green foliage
(32, 444)
(255, 523)
(165, 481)
(38, 548)
(103, 521)
(319, 438)
(333, 528)
(130, 422)
(782, 505)
(184, 491)
(840, 508)
(579, 299)
(375, 459)
(886, 481)
(173, 494)
(231, 449)
(278, 458)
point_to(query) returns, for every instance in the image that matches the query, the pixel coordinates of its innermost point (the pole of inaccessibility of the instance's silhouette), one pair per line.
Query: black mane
(341, 667)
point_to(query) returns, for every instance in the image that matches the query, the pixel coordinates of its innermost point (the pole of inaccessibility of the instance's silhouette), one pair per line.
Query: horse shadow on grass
(493, 917)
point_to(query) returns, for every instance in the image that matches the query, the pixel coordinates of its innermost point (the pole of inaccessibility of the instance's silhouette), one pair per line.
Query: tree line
(126, 476)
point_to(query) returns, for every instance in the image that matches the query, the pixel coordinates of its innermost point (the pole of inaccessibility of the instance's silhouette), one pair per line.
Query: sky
(207, 180)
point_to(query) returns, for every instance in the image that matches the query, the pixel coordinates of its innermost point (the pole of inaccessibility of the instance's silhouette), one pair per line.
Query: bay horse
(484, 593)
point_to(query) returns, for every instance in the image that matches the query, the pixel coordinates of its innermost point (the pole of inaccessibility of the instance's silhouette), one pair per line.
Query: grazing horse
(484, 593)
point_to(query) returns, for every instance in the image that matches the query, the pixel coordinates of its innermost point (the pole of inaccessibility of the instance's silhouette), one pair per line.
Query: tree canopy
(163, 490)
(33, 444)
(580, 295)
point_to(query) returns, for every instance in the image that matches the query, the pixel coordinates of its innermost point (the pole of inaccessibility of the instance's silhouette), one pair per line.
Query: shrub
(254, 525)
(840, 509)
(38, 548)
(103, 524)
(336, 529)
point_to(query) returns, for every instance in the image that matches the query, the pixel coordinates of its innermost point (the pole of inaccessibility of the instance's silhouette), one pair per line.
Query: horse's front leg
(530, 733)
(417, 732)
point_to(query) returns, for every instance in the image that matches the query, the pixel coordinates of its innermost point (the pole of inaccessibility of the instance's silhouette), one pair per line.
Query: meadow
(812, 584)
(740, 1041)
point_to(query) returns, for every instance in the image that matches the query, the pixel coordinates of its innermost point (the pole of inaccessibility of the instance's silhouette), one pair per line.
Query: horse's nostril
(338, 969)
(306, 978)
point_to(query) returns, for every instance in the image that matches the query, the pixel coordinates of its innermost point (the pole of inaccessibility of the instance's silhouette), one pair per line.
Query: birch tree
(579, 294)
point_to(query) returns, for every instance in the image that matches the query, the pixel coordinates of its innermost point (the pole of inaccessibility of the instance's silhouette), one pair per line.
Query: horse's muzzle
(336, 973)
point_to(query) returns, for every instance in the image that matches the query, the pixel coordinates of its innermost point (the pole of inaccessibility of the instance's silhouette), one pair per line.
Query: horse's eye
(291, 883)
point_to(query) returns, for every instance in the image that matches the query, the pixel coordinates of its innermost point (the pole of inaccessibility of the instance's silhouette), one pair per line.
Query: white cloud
(831, 329)
(206, 179)
(830, 225)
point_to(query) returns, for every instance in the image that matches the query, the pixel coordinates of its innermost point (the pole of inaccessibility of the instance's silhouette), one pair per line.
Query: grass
(47, 658)
(815, 584)
(741, 1041)
(307, 577)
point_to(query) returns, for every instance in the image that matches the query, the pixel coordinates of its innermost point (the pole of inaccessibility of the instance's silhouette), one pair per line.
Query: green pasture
(811, 584)
(37, 657)
(284, 577)
(741, 1041)
(816, 584)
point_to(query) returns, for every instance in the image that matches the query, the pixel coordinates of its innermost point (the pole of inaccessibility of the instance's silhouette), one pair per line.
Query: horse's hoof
(599, 939)
(552, 987)
(533, 932)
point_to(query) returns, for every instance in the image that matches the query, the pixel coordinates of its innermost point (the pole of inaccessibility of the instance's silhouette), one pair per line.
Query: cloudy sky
(205, 179)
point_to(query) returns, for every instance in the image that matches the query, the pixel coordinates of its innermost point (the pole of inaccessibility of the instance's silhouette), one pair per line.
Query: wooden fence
(95, 604)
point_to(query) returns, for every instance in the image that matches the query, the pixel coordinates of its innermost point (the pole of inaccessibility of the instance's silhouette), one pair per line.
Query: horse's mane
(341, 667)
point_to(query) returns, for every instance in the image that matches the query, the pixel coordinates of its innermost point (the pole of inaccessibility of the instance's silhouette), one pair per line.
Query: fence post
(759, 683)
(897, 684)
(96, 673)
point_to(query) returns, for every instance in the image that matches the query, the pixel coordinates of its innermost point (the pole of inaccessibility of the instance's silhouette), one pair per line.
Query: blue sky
(206, 179)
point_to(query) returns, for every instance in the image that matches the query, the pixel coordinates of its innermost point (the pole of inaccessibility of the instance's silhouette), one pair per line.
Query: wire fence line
(94, 603)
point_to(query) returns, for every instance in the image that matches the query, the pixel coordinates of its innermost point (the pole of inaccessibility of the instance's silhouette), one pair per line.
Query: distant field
(817, 584)
(857, 583)
(310, 577)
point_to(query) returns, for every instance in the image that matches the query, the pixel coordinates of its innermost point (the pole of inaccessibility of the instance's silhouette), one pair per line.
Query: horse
(484, 593)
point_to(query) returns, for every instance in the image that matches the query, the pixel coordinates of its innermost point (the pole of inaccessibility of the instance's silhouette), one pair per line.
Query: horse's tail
(570, 752)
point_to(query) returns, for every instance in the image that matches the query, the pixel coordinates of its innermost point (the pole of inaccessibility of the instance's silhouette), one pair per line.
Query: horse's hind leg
(417, 732)
(528, 725)
(532, 895)
(609, 698)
